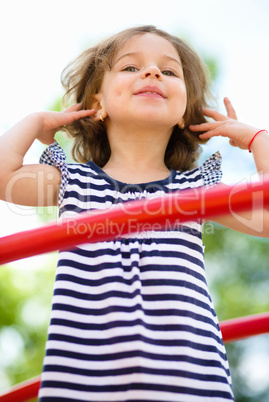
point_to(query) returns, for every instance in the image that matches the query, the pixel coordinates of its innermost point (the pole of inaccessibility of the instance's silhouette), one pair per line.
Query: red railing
(23, 392)
(180, 206)
(129, 217)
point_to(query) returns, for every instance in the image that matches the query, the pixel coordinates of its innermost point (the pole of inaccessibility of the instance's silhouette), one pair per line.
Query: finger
(209, 134)
(79, 114)
(232, 143)
(230, 109)
(87, 112)
(77, 108)
(70, 117)
(214, 114)
(204, 126)
(73, 108)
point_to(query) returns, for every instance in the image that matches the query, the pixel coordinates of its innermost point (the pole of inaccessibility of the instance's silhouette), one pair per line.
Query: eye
(132, 69)
(170, 73)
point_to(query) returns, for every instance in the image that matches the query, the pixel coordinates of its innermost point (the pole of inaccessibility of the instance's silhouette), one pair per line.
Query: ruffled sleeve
(211, 170)
(55, 156)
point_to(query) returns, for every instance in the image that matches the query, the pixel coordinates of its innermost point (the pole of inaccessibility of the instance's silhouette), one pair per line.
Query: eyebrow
(137, 53)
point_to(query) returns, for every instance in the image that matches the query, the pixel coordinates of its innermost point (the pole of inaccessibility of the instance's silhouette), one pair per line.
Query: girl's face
(145, 85)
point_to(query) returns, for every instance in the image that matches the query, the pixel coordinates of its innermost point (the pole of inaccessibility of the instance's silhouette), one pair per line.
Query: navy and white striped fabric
(132, 318)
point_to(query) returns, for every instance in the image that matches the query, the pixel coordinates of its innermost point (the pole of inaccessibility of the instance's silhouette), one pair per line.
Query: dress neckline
(133, 186)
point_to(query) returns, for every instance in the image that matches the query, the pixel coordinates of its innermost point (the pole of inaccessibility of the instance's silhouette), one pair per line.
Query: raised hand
(15, 143)
(51, 122)
(240, 134)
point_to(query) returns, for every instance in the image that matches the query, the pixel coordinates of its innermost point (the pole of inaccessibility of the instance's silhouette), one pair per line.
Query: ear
(101, 113)
(181, 124)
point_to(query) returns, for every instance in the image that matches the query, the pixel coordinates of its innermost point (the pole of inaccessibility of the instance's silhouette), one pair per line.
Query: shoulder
(208, 174)
(210, 170)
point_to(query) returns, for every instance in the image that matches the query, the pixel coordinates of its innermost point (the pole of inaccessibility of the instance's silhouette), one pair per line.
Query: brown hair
(83, 77)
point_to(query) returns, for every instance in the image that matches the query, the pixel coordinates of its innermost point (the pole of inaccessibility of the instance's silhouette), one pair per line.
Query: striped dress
(132, 318)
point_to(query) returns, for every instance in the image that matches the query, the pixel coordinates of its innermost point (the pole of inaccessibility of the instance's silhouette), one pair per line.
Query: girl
(132, 318)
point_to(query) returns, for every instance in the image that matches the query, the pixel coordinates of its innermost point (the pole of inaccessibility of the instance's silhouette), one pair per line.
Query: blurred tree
(238, 276)
(25, 298)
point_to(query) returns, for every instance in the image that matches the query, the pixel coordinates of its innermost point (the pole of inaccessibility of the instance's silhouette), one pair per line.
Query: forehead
(147, 43)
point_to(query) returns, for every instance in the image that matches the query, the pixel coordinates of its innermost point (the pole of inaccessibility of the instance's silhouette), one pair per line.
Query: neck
(137, 156)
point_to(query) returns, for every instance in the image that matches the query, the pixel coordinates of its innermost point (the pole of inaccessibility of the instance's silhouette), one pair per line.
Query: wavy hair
(82, 80)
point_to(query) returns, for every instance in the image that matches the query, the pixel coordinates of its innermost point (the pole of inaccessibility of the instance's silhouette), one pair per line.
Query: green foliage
(237, 272)
(213, 67)
(238, 266)
(25, 298)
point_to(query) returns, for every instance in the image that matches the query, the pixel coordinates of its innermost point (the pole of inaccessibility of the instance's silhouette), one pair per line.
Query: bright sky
(38, 39)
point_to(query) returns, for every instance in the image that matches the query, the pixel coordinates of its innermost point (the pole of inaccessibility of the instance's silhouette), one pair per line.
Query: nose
(152, 72)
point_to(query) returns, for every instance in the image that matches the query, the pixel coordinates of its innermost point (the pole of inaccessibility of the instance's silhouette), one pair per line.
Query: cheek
(181, 96)
(114, 104)
(121, 88)
(114, 101)
(116, 97)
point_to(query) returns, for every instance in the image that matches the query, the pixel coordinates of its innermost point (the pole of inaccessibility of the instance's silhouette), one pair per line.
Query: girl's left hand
(240, 134)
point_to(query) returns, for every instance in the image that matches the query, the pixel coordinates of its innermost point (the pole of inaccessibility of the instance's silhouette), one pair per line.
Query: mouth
(150, 91)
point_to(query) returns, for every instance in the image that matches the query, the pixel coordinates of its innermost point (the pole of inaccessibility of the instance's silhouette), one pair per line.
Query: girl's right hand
(51, 122)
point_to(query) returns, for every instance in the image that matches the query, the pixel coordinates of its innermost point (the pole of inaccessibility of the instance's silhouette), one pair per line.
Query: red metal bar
(22, 392)
(232, 330)
(129, 217)
(244, 327)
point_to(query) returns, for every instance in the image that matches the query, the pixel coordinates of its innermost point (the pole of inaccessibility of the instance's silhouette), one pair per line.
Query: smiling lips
(150, 91)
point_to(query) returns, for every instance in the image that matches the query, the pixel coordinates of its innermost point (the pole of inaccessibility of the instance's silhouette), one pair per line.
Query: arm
(33, 185)
(254, 222)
